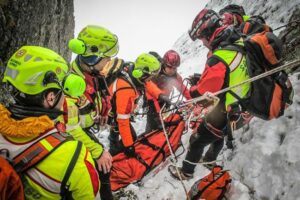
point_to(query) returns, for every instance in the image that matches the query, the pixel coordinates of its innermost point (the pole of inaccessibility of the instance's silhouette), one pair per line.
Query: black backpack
(269, 96)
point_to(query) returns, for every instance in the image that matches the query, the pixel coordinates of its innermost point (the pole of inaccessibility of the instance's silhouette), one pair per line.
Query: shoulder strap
(114, 92)
(115, 89)
(64, 188)
(39, 151)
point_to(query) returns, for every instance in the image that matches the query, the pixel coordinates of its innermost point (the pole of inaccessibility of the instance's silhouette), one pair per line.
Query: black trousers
(105, 189)
(116, 145)
(153, 120)
(206, 136)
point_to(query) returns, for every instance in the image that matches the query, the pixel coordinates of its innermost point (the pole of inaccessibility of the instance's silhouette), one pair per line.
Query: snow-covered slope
(266, 161)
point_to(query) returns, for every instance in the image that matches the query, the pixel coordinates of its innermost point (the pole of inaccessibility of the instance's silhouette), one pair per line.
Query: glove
(165, 99)
(194, 78)
(129, 151)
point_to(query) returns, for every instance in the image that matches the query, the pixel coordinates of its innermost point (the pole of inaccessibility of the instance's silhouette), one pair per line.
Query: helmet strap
(56, 98)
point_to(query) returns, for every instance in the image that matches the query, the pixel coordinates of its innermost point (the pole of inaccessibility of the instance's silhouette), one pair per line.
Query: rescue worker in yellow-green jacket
(52, 163)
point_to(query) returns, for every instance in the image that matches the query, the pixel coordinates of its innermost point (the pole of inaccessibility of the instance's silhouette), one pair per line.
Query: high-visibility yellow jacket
(72, 121)
(43, 181)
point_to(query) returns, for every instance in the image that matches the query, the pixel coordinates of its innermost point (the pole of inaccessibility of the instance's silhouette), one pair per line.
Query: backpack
(10, 183)
(255, 24)
(211, 187)
(11, 186)
(269, 96)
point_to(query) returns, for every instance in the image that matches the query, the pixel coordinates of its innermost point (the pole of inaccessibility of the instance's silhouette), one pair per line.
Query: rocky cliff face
(36, 22)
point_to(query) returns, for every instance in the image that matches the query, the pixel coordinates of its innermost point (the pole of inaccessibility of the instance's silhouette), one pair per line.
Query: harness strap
(218, 133)
(64, 192)
(114, 92)
(240, 100)
(141, 160)
(38, 151)
(145, 141)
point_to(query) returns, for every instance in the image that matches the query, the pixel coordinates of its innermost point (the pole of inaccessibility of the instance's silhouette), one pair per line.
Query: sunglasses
(90, 60)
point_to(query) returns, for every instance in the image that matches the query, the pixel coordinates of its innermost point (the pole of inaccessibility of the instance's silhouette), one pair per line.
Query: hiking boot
(174, 174)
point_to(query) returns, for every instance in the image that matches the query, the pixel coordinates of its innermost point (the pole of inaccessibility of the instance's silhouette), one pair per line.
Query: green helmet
(74, 85)
(145, 65)
(95, 41)
(34, 69)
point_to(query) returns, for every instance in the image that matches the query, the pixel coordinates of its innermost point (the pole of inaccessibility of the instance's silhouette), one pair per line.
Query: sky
(141, 25)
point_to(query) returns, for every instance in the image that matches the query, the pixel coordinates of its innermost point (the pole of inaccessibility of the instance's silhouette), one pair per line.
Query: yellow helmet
(94, 43)
(34, 69)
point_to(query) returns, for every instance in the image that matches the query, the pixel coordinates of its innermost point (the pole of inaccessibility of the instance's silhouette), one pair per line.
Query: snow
(266, 161)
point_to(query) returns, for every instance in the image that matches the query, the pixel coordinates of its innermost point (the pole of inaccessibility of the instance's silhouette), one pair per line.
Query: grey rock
(47, 23)
(36, 22)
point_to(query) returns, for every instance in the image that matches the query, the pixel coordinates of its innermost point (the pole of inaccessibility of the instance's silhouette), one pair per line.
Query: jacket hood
(27, 127)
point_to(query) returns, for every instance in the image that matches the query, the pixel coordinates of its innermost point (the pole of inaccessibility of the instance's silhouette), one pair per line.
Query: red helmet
(205, 24)
(232, 14)
(234, 9)
(171, 59)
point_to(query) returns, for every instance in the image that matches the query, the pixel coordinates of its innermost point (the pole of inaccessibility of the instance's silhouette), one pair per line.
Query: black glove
(194, 79)
(164, 99)
(129, 151)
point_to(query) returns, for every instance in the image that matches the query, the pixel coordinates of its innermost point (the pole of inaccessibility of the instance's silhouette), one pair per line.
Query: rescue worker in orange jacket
(167, 79)
(53, 164)
(125, 91)
(95, 46)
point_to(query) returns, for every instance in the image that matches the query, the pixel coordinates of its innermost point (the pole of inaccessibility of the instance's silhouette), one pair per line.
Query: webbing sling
(37, 151)
(160, 151)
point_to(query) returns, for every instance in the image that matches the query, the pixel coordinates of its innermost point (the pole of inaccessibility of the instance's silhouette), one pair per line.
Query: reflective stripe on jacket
(213, 77)
(72, 121)
(236, 62)
(124, 96)
(43, 180)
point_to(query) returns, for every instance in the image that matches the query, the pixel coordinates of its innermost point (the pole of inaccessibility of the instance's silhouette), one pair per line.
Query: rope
(202, 163)
(173, 160)
(292, 23)
(292, 64)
